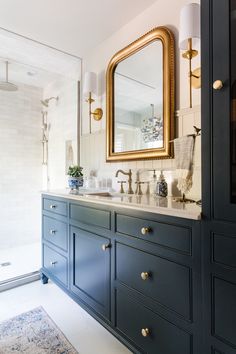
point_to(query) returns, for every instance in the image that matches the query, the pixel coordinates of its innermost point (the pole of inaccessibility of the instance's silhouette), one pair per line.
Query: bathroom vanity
(137, 272)
(156, 276)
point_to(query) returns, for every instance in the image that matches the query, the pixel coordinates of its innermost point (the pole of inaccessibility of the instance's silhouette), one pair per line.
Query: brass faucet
(130, 190)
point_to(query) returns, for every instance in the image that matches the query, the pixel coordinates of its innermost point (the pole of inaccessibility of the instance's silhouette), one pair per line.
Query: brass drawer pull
(145, 332)
(53, 263)
(53, 206)
(52, 232)
(144, 275)
(145, 230)
(105, 247)
(217, 85)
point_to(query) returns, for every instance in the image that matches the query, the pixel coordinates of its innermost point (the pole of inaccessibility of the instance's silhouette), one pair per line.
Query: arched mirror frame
(166, 37)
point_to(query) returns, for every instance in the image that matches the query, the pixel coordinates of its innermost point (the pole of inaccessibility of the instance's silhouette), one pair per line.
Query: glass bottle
(161, 187)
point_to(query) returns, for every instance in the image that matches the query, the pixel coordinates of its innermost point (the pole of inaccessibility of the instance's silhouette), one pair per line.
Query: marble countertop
(153, 204)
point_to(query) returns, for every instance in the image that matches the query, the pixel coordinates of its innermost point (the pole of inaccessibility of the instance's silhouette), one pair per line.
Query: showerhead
(45, 102)
(6, 85)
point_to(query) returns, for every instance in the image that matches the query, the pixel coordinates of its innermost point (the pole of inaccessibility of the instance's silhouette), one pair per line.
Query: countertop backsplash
(93, 159)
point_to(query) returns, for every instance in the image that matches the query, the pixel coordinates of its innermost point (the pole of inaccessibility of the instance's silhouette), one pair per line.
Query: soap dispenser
(153, 182)
(161, 187)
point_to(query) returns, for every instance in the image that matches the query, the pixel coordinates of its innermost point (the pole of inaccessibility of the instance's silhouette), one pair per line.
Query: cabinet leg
(44, 278)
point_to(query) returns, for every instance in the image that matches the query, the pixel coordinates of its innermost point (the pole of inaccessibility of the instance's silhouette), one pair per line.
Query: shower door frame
(33, 276)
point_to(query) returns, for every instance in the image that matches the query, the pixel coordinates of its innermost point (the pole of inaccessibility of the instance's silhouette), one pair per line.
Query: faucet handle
(148, 187)
(121, 186)
(139, 187)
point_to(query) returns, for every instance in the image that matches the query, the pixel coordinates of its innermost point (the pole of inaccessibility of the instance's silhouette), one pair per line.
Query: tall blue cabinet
(219, 176)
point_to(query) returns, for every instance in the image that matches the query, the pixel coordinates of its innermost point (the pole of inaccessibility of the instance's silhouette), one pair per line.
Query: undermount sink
(105, 194)
(100, 194)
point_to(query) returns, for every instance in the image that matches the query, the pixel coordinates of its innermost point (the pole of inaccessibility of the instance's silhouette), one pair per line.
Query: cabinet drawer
(162, 337)
(56, 264)
(160, 279)
(55, 206)
(171, 236)
(90, 216)
(55, 231)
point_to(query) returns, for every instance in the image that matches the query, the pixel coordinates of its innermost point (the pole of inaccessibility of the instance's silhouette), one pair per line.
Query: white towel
(184, 153)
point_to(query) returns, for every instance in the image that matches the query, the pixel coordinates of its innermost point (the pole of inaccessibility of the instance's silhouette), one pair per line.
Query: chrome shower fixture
(45, 102)
(6, 85)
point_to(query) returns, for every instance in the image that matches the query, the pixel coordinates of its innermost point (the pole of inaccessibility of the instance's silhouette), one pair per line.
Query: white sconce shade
(189, 25)
(90, 89)
(90, 84)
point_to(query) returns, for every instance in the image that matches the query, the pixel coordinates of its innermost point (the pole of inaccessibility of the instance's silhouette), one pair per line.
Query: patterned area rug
(33, 332)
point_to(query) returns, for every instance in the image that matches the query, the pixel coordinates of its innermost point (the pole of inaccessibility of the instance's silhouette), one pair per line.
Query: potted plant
(75, 179)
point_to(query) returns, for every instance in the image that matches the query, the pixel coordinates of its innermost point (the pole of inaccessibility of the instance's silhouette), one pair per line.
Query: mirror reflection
(138, 100)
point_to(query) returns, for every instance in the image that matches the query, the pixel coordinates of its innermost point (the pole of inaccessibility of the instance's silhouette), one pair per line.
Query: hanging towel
(184, 154)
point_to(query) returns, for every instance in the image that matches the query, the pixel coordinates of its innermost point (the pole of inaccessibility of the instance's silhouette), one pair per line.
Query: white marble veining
(164, 206)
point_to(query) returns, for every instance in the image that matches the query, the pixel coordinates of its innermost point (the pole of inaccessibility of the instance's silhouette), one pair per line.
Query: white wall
(63, 126)
(161, 13)
(20, 166)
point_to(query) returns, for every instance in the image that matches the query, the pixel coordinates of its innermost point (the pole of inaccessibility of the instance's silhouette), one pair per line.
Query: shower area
(39, 121)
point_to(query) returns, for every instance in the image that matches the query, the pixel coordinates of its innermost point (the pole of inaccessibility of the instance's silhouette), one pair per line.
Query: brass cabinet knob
(53, 206)
(144, 275)
(53, 263)
(52, 232)
(145, 332)
(105, 246)
(145, 230)
(217, 85)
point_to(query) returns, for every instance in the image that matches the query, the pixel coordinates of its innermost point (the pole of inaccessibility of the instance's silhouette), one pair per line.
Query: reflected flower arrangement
(152, 128)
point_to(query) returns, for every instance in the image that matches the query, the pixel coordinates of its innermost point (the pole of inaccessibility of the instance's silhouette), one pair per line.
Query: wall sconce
(89, 89)
(189, 37)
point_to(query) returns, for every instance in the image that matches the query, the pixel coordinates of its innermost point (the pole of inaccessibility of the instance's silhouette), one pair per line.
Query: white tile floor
(84, 333)
(23, 260)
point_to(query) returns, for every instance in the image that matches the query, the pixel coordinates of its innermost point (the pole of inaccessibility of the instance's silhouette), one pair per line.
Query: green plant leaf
(75, 171)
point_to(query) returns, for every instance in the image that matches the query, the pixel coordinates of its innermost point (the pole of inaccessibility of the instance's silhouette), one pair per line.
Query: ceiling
(75, 26)
(24, 74)
(34, 64)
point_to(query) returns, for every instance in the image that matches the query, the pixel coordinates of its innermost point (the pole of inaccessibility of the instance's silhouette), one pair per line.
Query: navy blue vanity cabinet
(55, 241)
(219, 177)
(90, 270)
(90, 250)
(156, 282)
(137, 273)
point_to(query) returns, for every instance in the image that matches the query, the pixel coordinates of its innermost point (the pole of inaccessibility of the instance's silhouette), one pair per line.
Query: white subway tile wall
(93, 156)
(20, 166)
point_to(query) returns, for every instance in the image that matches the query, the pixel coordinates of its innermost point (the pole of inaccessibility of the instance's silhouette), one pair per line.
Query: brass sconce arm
(189, 35)
(96, 114)
(196, 76)
(190, 54)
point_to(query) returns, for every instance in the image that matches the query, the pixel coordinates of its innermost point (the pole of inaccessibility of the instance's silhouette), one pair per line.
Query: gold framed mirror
(140, 83)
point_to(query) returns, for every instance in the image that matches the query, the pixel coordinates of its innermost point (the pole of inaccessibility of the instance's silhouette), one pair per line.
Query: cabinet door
(219, 288)
(224, 109)
(90, 270)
